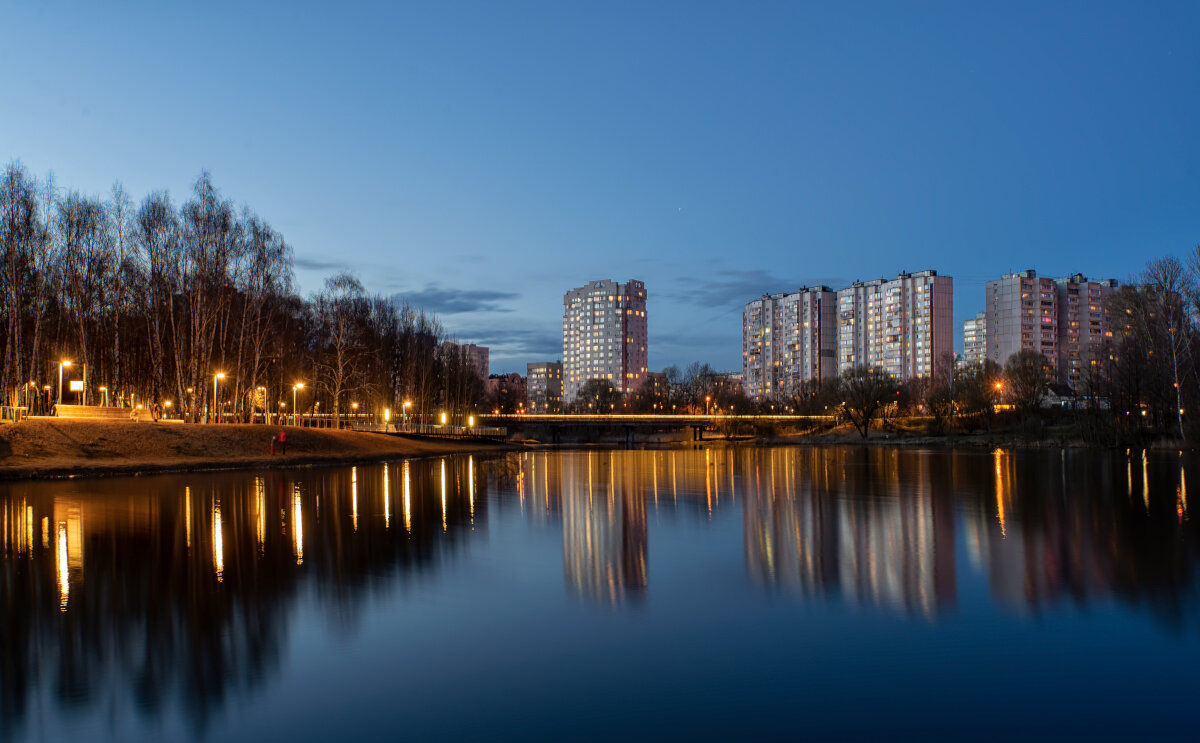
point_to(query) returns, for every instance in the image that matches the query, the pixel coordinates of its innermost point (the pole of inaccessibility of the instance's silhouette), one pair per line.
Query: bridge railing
(432, 429)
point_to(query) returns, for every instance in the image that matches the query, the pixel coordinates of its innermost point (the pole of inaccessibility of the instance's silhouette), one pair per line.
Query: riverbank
(54, 449)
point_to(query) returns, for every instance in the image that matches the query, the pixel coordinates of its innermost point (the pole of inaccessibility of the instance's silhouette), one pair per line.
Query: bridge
(632, 423)
(431, 430)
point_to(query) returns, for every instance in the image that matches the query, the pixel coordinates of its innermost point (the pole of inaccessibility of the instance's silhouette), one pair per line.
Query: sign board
(77, 385)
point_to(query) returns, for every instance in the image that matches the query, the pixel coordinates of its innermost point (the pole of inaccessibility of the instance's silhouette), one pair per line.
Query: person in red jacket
(283, 441)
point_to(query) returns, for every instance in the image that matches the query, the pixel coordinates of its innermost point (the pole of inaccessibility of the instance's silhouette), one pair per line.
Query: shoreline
(66, 449)
(70, 449)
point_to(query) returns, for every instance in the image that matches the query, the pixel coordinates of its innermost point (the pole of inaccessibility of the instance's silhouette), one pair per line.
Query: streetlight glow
(216, 410)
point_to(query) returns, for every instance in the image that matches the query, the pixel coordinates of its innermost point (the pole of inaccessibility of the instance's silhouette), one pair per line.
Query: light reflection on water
(178, 591)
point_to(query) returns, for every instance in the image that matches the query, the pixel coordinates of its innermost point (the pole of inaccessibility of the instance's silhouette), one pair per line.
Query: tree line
(153, 301)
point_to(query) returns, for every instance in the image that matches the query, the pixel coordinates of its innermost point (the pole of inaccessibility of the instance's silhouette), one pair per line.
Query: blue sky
(483, 158)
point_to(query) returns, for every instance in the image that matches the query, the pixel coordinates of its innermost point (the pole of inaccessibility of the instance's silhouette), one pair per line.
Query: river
(823, 593)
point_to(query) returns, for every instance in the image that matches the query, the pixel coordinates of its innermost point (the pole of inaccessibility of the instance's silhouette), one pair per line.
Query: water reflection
(182, 589)
(181, 586)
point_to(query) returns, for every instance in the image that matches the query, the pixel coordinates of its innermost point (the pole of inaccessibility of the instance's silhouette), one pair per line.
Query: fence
(13, 414)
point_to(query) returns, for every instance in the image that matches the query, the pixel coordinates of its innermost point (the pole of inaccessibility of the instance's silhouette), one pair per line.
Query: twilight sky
(481, 158)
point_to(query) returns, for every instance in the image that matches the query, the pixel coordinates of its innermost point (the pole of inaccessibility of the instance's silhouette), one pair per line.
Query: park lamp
(471, 420)
(61, 364)
(443, 418)
(387, 415)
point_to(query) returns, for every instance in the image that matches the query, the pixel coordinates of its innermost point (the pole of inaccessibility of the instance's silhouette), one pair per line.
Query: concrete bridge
(553, 426)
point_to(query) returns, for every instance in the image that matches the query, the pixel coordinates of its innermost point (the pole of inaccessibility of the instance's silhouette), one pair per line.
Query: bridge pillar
(697, 433)
(554, 437)
(628, 436)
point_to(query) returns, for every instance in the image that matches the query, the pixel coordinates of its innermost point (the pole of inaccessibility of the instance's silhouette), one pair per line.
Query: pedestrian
(283, 441)
(273, 439)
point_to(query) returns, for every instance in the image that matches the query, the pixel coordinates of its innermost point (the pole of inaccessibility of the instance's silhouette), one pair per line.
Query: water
(700, 594)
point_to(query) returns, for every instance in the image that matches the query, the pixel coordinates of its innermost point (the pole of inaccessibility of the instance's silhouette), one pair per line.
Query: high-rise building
(604, 336)
(1022, 314)
(788, 340)
(860, 313)
(544, 386)
(903, 325)
(1066, 320)
(1082, 326)
(975, 340)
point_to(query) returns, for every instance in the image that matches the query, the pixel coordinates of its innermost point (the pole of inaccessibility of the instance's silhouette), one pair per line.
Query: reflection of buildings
(862, 523)
(604, 529)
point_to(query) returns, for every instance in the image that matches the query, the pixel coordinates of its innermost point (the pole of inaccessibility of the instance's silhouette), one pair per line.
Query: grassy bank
(37, 449)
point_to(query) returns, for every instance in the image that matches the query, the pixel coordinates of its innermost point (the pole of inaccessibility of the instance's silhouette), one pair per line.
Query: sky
(479, 159)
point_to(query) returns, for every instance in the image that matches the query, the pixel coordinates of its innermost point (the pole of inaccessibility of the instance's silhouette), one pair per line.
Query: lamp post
(407, 403)
(295, 410)
(216, 408)
(104, 391)
(707, 399)
(61, 364)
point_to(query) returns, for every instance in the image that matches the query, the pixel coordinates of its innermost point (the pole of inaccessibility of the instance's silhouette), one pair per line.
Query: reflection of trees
(1080, 525)
(180, 592)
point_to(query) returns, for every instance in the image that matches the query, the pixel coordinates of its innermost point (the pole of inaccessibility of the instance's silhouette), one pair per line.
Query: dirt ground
(45, 448)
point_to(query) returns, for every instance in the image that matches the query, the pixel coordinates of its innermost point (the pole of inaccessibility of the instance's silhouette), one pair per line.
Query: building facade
(975, 340)
(1022, 315)
(476, 358)
(1065, 320)
(604, 336)
(544, 386)
(788, 340)
(1083, 327)
(904, 326)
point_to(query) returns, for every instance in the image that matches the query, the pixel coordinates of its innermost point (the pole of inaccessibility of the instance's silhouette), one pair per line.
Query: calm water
(815, 593)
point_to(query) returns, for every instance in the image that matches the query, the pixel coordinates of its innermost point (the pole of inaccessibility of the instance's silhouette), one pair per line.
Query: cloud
(725, 288)
(444, 301)
(313, 264)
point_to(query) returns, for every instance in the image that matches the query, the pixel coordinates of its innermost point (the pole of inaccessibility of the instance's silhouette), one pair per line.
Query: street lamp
(407, 404)
(105, 391)
(707, 399)
(295, 410)
(216, 409)
(61, 364)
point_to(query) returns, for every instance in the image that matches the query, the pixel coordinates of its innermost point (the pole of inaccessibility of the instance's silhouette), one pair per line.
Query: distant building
(506, 392)
(788, 340)
(1022, 314)
(903, 325)
(604, 336)
(975, 340)
(475, 357)
(1065, 320)
(1083, 326)
(544, 386)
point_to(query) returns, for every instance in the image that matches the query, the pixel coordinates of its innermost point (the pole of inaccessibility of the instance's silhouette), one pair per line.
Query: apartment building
(1066, 320)
(975, 340)
(902, 325)
(1082, 325)
(544, 386)
(604, 336)
(788, 340)
(1022, 314)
